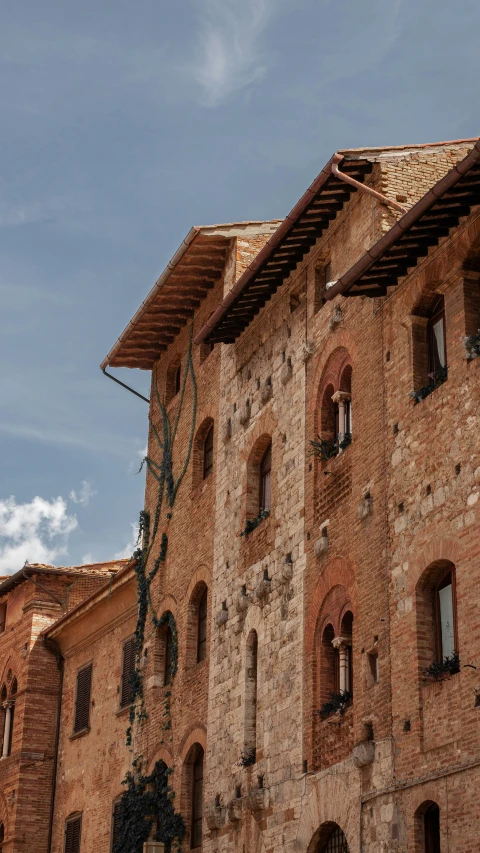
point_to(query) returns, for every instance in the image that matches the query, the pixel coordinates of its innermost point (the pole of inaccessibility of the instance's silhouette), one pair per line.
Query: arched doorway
(333, 840)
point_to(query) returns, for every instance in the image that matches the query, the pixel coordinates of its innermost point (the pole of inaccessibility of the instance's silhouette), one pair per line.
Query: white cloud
(129, 548)
(84, 495)
(230, 54)
(37, 532)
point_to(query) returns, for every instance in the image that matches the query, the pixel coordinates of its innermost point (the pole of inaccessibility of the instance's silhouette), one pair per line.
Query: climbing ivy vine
(146, 808)
(147, 801)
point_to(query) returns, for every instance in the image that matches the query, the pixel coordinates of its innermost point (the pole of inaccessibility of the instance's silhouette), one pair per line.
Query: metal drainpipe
(359, 186)
(52, 647)
(137, 393)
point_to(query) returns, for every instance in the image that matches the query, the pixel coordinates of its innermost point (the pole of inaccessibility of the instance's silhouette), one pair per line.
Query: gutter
(343, 284)
(52, 647)
(151, 296)
(271, 244)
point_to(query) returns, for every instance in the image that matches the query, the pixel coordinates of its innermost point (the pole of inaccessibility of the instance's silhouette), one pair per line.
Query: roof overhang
(431, 218)
(298, 232)
(193, 271)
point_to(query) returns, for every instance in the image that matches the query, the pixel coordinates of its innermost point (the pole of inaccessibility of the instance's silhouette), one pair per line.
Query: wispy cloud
(129, 548)
(230, 47)
(84, 494)
(36, 531)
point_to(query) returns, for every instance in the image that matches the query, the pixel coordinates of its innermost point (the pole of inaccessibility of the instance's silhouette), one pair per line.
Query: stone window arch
(427, 828)
(334, 647)
(260, 467)
(332, 839)
(251, 690)
(437, 622)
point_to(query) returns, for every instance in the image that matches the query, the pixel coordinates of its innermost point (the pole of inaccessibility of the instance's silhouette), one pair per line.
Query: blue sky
(123, 124)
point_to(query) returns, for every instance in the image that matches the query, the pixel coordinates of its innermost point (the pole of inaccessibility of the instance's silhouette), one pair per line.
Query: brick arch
(418, 806)
(202, 574)
(340, 340)
(161, 753)
(253, 453)
(168, 602)
(331, 801)
(338, 572)
(437, 550)
(13, 664)
(422, 293)
(253, 622)
(196, 733)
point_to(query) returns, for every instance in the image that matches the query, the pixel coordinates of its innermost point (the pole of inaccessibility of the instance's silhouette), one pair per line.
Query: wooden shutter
(128, 668)
(82, 703)
(73, 831)
(115, 824)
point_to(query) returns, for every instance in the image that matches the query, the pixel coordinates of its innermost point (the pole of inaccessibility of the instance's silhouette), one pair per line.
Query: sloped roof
(415, 233)
(293, 239)
(88, 570)
(192, 272)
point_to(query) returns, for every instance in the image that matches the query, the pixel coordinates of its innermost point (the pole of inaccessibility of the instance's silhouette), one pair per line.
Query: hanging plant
(252, 523)
(437, 378)
(472, 346)
(146, 810)
(337, 704)
(441, 670)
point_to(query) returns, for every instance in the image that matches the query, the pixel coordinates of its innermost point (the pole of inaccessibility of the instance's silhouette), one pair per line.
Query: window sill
(122, 711)
(81, 733)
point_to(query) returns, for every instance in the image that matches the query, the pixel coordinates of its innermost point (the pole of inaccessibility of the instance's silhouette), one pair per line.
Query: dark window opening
(202, 628)
(3, 617)
(431, 823)
(437, 351)
(177, 380)
(167, 672)
(265, 480)
(322, 277)
(197, 801)
(208, 453)
(115, 824)
(128, 667)
(336, 843)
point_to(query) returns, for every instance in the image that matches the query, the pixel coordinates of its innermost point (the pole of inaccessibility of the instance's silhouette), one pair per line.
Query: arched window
(265, 480)
(437, 351)
(437, 635)
(197, 800)
(208, 453)
(2, 836)
(202, 627)
(445, 615)
(431, 826)
(8, 706)
(345, 662)
(251, 685)
(334, 418)
(332, 840)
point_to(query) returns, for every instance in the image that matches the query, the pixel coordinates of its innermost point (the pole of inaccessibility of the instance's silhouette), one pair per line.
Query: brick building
(30, 678)
(289, 577)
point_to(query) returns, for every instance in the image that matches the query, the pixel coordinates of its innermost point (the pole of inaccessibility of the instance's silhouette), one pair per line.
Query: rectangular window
(128, 667)
(73, 834)
(82, 699)
(373, 671)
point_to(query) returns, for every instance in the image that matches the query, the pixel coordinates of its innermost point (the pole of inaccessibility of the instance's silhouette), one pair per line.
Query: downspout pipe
(366, 189)
(124, 385)
(53, 647)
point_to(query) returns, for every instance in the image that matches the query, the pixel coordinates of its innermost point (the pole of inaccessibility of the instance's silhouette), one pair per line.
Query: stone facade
(329, 591)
